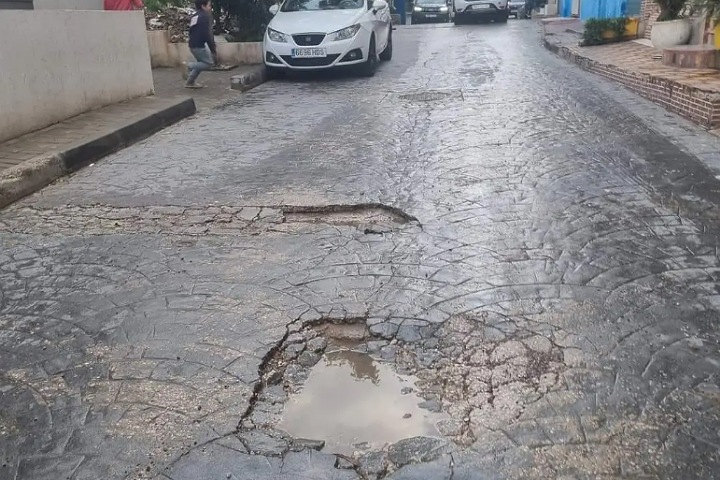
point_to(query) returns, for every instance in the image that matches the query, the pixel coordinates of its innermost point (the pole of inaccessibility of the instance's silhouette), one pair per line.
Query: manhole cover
(430, 96)
(353, 402)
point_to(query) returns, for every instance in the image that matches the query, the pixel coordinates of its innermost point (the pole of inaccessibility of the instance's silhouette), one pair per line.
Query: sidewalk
(692, 93)
(169, 82)
(30, 162)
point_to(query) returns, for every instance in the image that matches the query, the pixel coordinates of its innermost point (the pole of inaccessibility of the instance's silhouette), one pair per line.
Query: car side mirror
(379, 5)
(274, 9)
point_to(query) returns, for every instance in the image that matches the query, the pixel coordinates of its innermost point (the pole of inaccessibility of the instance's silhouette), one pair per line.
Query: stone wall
(77, 60)
(69, 4)
(649, 11)
(166, 54)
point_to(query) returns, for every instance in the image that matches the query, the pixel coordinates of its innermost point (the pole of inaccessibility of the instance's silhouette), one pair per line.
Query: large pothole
(355, 403)
(362, 392)
(328, 382)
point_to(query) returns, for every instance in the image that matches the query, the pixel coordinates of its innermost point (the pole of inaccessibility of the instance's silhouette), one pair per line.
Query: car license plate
(309, 53)
(482, 6)
(430, 15)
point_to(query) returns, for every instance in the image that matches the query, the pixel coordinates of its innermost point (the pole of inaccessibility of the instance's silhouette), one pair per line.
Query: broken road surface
(536, 263)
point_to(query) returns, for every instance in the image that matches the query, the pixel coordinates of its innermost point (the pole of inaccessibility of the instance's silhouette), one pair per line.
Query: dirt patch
(176, 20)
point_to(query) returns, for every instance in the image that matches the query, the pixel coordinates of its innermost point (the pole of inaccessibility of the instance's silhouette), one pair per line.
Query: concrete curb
(248, 80)
(32, 175)
(553, 47)
(29, 177)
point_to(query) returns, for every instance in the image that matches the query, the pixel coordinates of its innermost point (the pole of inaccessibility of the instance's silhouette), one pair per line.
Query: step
(692, 56)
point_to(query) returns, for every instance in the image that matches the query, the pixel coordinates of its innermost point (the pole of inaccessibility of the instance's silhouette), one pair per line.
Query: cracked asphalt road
(557, 296)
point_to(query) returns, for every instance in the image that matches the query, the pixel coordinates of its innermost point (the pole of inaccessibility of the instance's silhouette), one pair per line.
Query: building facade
(599, 8)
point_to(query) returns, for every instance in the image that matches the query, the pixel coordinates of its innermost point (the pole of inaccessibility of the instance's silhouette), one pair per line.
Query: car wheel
(503, 19)
(369, 68)
(458, 19)
(386, 55)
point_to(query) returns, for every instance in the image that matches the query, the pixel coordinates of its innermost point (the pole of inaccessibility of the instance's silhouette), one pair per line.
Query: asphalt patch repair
(371, 218)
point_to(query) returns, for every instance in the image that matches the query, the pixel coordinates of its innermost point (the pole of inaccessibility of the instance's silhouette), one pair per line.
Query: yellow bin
(631, 27)
(631, 30)
(716, 31)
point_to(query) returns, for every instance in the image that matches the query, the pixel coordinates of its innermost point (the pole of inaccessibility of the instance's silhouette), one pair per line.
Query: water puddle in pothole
(353, 402)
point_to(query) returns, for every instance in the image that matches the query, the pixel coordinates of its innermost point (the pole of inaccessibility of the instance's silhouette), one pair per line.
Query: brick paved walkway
(64, 135)
(690, 92)
(639, 58)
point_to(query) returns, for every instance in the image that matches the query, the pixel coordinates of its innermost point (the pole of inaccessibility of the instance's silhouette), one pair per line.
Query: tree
(242, 20)
(670, 9)
(711, 8)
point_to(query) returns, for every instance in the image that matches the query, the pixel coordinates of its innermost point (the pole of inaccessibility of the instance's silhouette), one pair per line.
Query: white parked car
(319, 34)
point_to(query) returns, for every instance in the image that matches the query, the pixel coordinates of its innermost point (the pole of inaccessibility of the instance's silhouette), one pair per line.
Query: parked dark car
(426, 11)
(519, 9)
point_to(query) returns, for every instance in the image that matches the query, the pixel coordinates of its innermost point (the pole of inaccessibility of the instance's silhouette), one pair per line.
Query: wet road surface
(480, 215)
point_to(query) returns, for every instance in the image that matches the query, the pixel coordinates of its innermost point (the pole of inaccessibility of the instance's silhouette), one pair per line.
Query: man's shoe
(194, 85)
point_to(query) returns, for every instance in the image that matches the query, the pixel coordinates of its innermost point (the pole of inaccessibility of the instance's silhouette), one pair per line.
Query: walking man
(201, 38)
(402, 10)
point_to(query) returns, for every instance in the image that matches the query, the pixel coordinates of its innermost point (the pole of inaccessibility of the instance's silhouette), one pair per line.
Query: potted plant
(711, 8)
(670, 29)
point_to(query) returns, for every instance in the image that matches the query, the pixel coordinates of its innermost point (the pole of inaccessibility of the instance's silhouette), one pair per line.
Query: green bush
(242, 20)
(595, 27)
(670, 9)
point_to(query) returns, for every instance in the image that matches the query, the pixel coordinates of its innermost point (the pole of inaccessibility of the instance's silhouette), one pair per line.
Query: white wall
(166, 54)
(69, 4)
(74, 61)
(698, 30)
